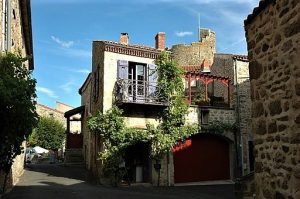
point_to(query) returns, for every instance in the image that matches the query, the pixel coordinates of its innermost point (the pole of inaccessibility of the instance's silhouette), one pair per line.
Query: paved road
(58, 182)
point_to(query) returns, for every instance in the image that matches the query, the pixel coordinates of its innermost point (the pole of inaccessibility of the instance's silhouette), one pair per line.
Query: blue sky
(63, 31)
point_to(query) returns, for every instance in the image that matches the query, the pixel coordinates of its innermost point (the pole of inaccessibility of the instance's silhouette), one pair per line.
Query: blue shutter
(122, 69)
(152, 79)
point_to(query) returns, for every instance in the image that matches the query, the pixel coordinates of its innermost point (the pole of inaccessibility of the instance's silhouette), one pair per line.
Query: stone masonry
(273, 37)
(195, 53)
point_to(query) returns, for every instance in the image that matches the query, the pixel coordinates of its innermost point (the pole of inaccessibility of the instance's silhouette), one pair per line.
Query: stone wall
(243, 109)
(195, 53)
(46, 111)
(86, 100)
(273, 37)
(224, 115)
(17, 38)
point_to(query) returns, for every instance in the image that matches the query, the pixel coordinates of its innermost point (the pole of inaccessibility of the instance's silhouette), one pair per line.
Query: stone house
(16, 37)
(72, 126)
(119, 74)
(58, 114)
(232, 96)
(273, 36)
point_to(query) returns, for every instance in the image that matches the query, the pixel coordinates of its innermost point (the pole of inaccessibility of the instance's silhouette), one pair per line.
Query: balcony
(207, 90)
(129, 91)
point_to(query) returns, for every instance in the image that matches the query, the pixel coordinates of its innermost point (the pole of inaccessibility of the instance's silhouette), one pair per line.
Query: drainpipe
(168, 168)
(238, 117)
(8, 41)
(3, 32)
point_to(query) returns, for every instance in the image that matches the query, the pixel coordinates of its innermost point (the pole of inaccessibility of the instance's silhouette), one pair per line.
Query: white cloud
(64, 44)
(183, 33)
(46, 91)
(84, 71)
(68, 87)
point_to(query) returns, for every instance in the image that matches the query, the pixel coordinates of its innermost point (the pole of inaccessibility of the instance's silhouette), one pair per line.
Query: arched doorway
(203, 157)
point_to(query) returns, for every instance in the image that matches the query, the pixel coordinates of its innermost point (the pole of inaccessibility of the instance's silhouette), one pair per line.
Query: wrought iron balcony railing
(138, 91)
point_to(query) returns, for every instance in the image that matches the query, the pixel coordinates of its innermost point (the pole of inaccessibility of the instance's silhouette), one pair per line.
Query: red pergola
(206, 79)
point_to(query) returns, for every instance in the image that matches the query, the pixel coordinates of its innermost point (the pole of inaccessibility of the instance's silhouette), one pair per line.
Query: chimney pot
(124, 38)
(160, 41)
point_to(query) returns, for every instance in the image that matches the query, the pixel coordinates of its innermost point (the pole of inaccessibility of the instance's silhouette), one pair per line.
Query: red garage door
(203, 157)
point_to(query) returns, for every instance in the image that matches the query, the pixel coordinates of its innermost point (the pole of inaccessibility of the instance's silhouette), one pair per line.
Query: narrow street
(55, 181)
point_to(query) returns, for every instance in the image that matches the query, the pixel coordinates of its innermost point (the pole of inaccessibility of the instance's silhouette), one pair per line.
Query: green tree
(32, 138)
(50, 133)
(17, 109)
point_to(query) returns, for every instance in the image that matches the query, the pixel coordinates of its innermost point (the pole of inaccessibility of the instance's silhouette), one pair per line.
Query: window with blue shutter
(122, 69)
(152, 80)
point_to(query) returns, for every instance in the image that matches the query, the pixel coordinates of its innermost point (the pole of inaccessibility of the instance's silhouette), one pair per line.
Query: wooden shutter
(152, 79)
(122, 69)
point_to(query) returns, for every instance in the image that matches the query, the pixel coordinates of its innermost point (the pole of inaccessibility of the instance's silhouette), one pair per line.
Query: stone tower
(195, 53)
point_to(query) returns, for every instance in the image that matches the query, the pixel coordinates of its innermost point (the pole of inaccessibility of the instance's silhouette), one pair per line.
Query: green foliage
(198, 98)
(116, 138)
(50, 133)
(172, 126)
(17, 109)
(32, 138)
(169, 76)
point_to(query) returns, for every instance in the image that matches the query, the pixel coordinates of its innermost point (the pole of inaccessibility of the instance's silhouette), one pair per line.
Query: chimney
(160, 41)
(124, 38)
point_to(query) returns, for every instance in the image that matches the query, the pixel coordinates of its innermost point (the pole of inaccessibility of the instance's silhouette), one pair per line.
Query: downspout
(168, 168)
(238, 118)
(3, 32)
(8, 41)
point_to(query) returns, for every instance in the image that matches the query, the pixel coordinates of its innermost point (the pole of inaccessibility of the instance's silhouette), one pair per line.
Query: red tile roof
(241, 57)
(191, 68)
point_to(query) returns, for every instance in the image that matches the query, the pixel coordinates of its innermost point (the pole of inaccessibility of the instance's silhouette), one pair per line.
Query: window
(139, 81)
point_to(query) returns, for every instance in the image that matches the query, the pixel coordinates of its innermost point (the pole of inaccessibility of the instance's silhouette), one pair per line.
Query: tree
(17, 109)
(50, 133)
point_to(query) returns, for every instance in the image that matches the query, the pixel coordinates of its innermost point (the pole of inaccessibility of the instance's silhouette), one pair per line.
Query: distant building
(58, 114)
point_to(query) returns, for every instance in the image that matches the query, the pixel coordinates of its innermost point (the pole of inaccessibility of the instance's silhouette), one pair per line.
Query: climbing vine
(172, 126)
